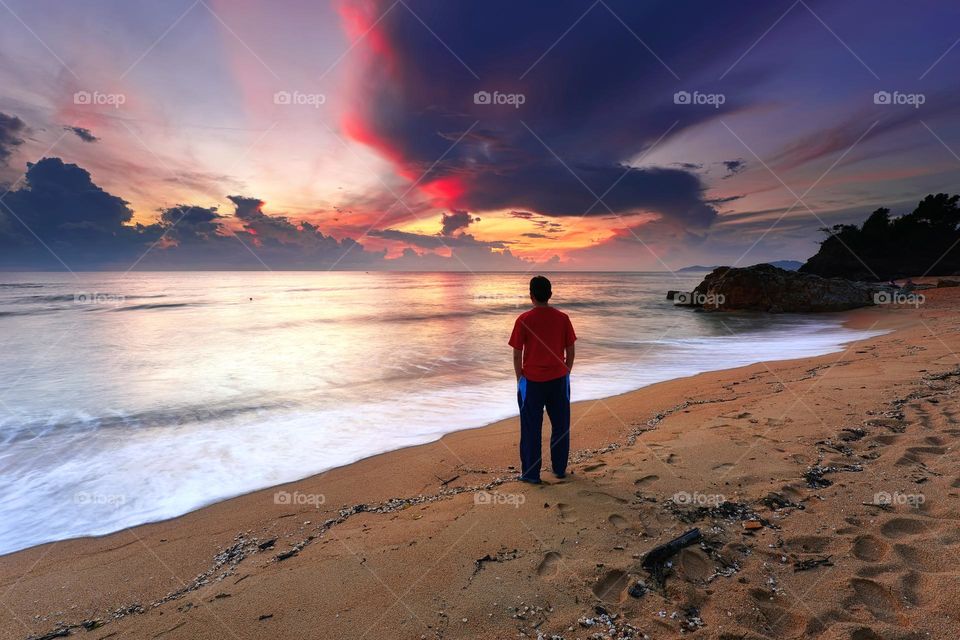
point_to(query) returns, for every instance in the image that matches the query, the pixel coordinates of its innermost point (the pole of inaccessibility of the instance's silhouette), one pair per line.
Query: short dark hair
(540, 288)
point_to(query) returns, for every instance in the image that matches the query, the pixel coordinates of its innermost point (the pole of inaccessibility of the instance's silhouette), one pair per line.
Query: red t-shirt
(543, 333)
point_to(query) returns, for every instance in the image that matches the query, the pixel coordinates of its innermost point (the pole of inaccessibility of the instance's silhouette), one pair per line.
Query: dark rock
(767, 288)
(776, 501)
(59, 633)
(267, 544)
(287, 554)
(637, 590)
(944, 283)
(671, 294)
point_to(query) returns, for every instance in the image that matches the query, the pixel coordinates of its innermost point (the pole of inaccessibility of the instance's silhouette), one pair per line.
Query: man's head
(540, 289)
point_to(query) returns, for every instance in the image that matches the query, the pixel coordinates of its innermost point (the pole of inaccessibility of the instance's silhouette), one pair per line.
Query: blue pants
(533, 397)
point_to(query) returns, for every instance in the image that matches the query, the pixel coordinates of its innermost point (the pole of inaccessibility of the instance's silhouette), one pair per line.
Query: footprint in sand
(870, 548)
(695, 564)
(618, 521)
(917, 454)
(778, 621)
(901, 527)
(594, 467)
(723, 466)
(919, 557)
(601, 496)
(875, 597)
(910, 588)
(566, 512)
(550, 565)
(650, 479)
(886, 439)
(610, 586)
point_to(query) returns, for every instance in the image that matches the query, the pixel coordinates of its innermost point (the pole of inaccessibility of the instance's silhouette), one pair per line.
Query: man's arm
(571, 353)
(518, 363)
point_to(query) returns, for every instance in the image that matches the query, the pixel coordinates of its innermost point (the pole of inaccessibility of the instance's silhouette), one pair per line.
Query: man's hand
(518, 363)
(571, 353)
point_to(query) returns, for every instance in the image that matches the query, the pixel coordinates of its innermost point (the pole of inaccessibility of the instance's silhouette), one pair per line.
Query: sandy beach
(826, 491)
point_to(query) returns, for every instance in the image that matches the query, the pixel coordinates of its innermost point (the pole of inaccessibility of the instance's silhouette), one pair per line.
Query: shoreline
(143, 564)
(854, 319)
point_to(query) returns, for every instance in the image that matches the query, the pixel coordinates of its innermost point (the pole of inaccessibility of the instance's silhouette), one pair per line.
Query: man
(543, 355)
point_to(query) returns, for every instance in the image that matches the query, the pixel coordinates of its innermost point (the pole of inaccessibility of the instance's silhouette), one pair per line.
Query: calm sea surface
(131, 398)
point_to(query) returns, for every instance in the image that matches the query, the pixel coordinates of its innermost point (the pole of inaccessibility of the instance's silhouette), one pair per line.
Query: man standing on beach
(543, 353)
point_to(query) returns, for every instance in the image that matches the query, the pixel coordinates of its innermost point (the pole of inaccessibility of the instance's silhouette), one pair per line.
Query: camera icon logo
(682, 97)
(282, 97)
(882, 97)
(482, 97)
(82, 97)
(882, 297)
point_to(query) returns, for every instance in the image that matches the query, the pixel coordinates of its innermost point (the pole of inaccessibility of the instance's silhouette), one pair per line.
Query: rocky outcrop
(764, 287)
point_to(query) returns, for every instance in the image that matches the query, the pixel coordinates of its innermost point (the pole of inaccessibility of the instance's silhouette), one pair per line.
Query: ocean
(132, 398)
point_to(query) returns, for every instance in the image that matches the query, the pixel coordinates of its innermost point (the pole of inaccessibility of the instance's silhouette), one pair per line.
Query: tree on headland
(923, 242)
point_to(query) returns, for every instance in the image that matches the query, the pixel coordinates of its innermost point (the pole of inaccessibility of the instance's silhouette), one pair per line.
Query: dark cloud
(11, 128)
(186, 224)
(456, 220)
(734, 167)
(59, 218)
(59, 214)
(593, 100)
(58, 198)
(724, 200)
(83, 133)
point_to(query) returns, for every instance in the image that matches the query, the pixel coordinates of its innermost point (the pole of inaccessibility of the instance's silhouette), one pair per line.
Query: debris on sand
(637, 590)
(776, 501)
(657, 560)
(812, 563)
(852, 435)
(502, 556)
(609, 625)
(731, 511)
(814, 475)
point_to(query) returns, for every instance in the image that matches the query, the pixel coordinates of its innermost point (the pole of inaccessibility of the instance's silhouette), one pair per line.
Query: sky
(439, 135)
